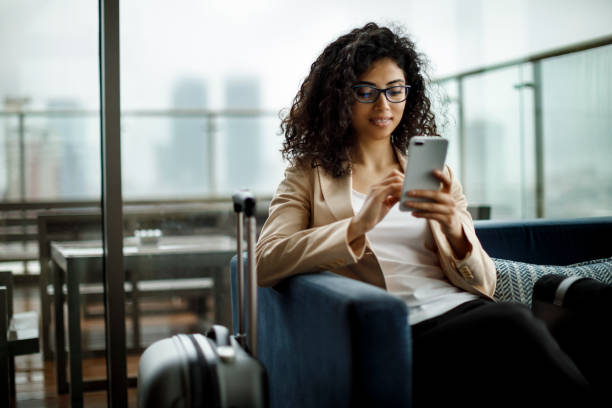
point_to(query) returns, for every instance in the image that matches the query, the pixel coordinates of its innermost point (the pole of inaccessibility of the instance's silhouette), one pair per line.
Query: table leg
(46, 278)
(60, 340)
(133, 276)
(222, 297)
(74, 340)
(5, 388)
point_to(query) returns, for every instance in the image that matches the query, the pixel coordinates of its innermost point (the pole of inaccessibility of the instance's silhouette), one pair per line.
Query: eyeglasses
(369, 93)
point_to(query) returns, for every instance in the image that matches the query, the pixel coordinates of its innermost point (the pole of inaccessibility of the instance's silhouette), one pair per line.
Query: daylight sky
(49, 49)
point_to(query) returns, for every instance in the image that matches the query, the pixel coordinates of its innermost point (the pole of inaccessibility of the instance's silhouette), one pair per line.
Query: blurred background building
(201, 98)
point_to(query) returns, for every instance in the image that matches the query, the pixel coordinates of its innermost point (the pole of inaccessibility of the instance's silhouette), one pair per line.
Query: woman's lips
(380, 122)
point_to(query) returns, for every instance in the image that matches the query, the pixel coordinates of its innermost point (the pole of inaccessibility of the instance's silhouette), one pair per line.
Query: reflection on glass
(577, 122)
(50, 177)
(492, 163)
(250, 156)
(447, 117)
(165, 155)
(62, 155)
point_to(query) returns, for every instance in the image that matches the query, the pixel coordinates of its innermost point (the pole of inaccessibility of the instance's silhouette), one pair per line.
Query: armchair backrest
(546, 241)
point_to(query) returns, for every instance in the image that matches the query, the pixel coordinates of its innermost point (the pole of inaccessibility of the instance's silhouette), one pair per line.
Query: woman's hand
(442, 209)
(380, 199)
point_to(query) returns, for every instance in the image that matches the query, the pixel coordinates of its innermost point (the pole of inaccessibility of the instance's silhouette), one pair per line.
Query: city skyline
(50, 53)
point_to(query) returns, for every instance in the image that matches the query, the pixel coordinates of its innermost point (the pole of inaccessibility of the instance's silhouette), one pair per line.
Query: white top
(405, 250)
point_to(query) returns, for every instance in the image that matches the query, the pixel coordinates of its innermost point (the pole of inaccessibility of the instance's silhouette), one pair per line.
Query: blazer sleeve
(288, 244)
(476, 271)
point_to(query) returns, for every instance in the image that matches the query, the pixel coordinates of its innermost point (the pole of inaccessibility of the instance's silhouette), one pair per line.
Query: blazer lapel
(337, 194)
(337, 191)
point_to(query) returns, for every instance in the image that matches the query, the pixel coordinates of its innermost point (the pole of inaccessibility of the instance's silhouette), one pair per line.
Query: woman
(336, 209)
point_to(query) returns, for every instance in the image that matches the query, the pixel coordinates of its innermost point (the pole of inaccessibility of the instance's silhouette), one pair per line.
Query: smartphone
(425, 154)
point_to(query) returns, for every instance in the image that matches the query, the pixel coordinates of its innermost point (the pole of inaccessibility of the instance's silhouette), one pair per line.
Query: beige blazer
(306, 231)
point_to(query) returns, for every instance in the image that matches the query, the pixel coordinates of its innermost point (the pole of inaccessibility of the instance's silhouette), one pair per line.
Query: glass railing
(533, 137)
(529, 138)
(180, 160)
(55, 155)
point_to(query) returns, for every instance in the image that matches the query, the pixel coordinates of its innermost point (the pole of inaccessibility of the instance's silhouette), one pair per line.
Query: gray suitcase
(216, 369)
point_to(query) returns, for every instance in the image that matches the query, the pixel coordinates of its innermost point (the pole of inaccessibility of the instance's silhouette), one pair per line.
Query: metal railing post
(211, 136)
(539, 139)
(461, 131)
(21, 132)
(22, 177)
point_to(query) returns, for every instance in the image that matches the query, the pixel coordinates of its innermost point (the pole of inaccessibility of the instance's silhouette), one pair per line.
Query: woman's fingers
(390, 201)
(392, 178)
(437, 196)
(446, 181)
(430, 207)
(379, 201)
(443, 219)
(390, 183)
(385, 192)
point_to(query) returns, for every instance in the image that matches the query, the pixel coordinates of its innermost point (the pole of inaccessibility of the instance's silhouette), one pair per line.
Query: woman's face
(379, 119)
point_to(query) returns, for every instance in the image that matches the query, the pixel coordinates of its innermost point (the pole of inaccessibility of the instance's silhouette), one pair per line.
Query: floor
(35, 383)
(35, 378)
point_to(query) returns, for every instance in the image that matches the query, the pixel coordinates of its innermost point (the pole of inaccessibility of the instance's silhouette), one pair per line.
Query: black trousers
(488, 354)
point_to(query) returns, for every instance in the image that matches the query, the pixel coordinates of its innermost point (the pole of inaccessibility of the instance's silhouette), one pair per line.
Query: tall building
(182, 162)
(65, 138)
(243, 144)
(11, 183)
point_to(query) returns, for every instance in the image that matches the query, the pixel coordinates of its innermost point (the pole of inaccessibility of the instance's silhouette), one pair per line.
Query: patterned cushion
(515, 280)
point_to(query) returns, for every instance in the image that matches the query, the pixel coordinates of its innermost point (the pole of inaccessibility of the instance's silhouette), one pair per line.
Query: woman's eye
(365, 92)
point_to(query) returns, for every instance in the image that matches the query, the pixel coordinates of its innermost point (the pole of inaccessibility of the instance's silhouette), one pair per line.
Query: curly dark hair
(318, 128)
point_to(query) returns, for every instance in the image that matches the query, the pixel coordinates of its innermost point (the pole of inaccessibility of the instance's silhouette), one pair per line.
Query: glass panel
(527, 141)
(50, 182)
(577, 122)
(248, 154)
(10, 141)
(163, 155)
(493, 150)
(447, 116)
(62, 155)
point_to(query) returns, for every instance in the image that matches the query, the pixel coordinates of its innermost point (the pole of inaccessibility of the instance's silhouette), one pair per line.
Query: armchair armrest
(327, 340)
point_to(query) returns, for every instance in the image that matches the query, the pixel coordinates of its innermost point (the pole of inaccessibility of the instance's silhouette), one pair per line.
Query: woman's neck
(375, 155)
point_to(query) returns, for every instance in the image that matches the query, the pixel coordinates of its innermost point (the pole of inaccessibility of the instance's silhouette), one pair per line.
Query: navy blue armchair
(329, 341)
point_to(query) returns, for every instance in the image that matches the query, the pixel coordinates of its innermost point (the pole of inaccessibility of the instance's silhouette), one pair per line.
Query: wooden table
(171, 258)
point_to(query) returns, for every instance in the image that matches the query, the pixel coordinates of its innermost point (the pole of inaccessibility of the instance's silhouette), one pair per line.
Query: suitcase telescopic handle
(244, 204)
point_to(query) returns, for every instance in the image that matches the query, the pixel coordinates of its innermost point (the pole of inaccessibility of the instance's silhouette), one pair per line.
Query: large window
(50, 165)
(492, 142)
(533, 138)
(577, 134)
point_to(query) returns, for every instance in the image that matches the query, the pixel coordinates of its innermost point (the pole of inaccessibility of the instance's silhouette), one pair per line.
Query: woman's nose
(382, 101)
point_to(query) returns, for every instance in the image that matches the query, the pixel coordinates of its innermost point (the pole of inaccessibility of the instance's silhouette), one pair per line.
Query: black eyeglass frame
(379, 91)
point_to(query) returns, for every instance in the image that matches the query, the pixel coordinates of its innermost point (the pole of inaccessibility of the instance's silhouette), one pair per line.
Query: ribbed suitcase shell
(190, 370)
